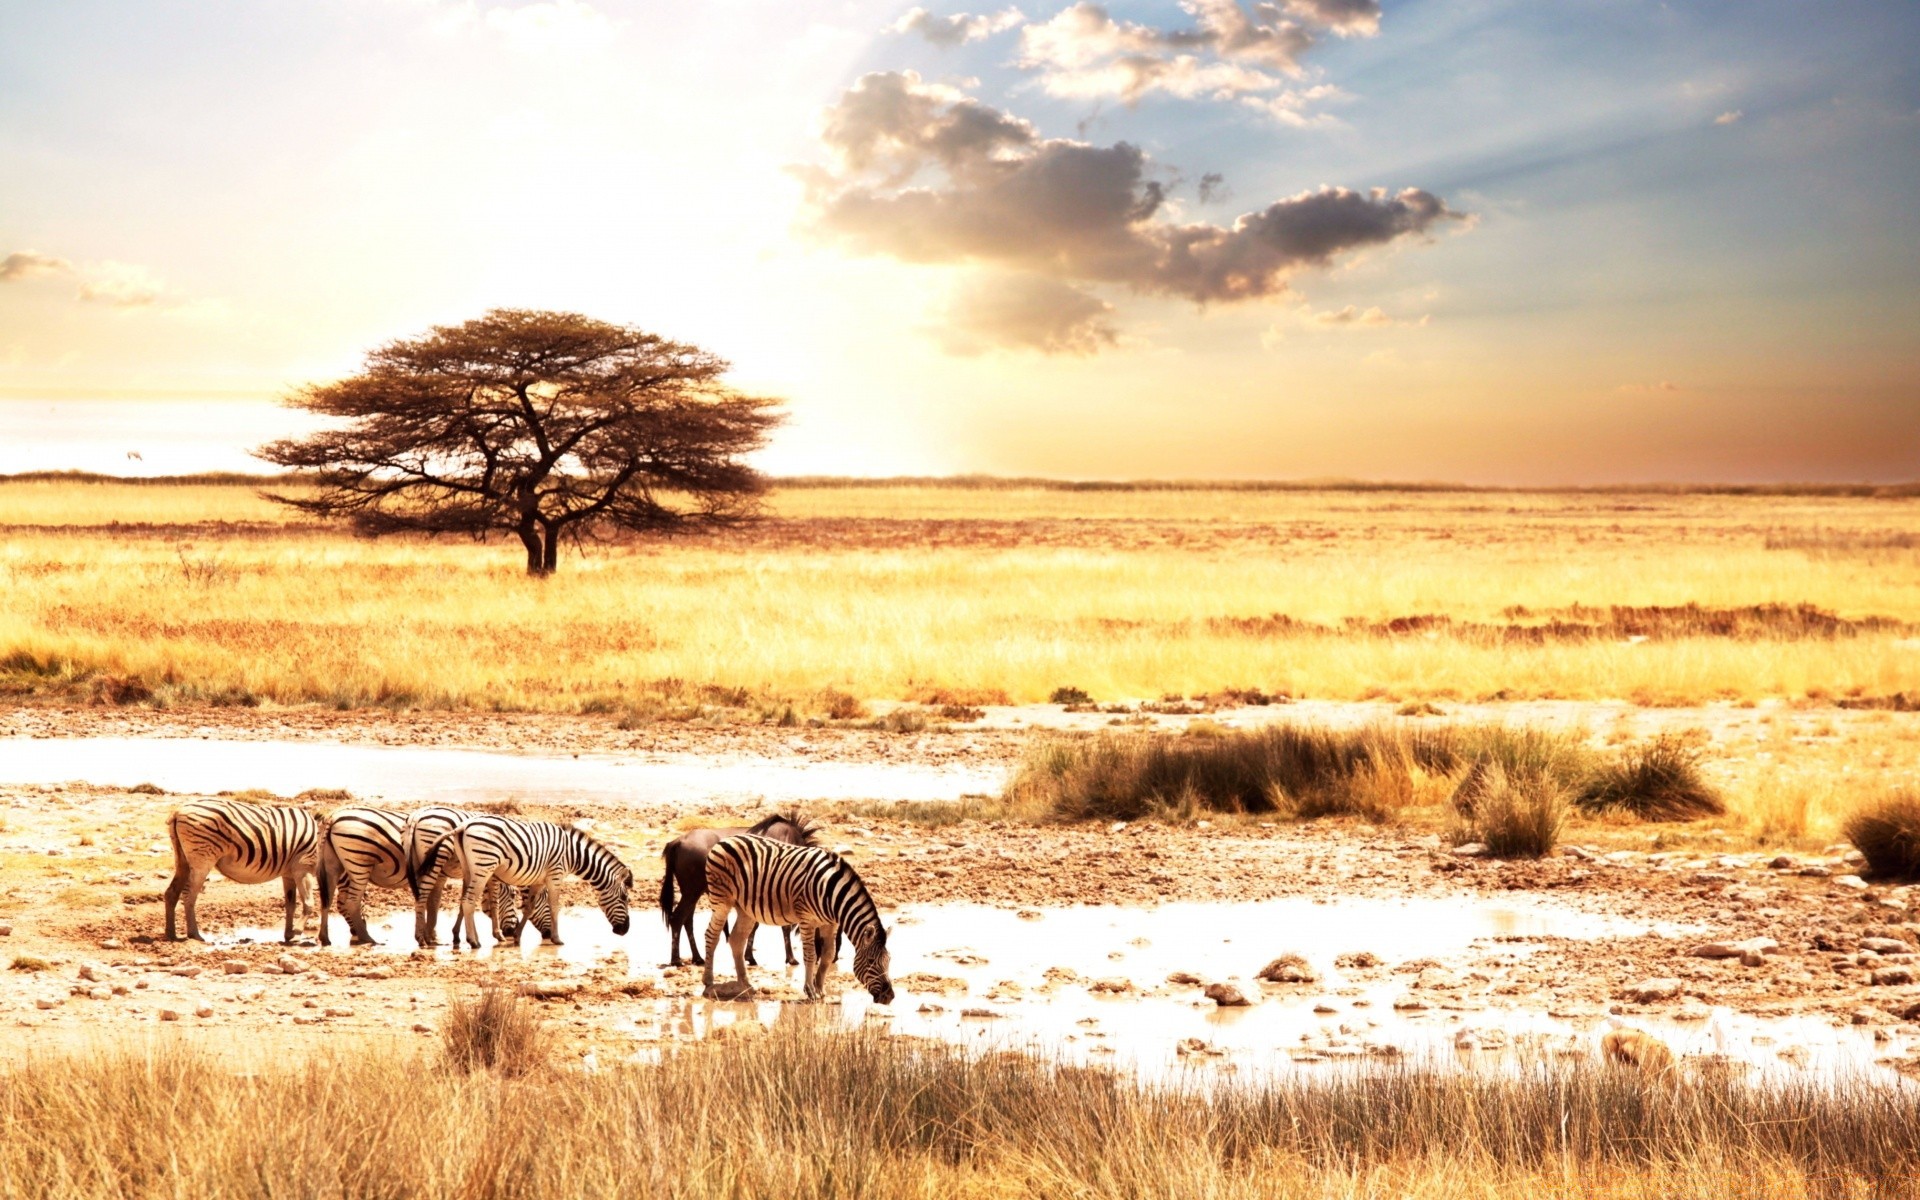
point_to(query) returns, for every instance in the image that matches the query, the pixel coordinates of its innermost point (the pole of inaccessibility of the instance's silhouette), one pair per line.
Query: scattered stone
(169, 1014)
(1649, 991)
(203, 1011)
(1323, 1008)
(981, 1014)
(1782, 862)
(1288, 968)
(1227, 995)
(553, 989)
(338, 1012)
(307, 1018)
(234, 966)
(44, 1003)
(1814, 871)
(929, 1007)
(1853, 882)
(1870, 1016)
(1751, 946)
(1112, 986)
(1193, 1046)
(1409, 1004)
(185, 972)
(1185, 979)
(1470, 850)
(6, 930)
(100, 993)
(1028, 914)
(93, 972)
(109, 943)
(1885, 945)
(1357, 960)
(289, 965)
(1893, 976)
(419, 1027)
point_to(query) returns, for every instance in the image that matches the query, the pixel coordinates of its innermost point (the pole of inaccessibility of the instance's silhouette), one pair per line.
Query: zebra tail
(666, 881)
(173, 835)
(428, 862)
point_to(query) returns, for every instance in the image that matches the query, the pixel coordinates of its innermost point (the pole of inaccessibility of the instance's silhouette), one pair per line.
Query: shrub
(30, 964)
(1516, 815)
(1069, 695)
(839, 706)
(1887, 830)
(497, 1032)
(1657, 780)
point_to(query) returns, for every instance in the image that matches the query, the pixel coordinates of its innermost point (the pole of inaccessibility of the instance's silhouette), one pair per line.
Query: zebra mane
(595, 844)
(805, 828)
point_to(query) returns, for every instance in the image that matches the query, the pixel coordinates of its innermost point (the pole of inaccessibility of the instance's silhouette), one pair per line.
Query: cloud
(1231, 52)
(1026, 312)
(114, 284)
(1349, 319)
(927, 174)
(1664, 385)
(1730, 117)
(30, 264)
(960, 28)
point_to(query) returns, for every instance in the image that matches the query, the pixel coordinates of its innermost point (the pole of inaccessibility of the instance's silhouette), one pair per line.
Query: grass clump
(29, 964)
(1514, 815)
(498, 1031)
(1886, 830)
(1657, 780)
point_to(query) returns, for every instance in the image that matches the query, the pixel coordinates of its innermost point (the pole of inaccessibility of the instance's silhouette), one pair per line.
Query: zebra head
(613, 896)
(870, 965)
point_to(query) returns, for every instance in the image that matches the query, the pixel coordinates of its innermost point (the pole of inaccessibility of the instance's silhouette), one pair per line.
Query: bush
(839, 706)
(1516, 815)
(1887, 830)
(1656, 781)
(1069, 695)
(30, 964)
(497, 1032)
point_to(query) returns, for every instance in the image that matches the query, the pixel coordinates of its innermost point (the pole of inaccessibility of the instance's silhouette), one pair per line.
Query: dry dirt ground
(82, 869)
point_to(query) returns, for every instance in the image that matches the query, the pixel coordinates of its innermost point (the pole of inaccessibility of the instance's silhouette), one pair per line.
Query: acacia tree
(547, 425)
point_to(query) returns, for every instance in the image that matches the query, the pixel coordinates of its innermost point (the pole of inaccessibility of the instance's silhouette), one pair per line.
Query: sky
(1488, 241)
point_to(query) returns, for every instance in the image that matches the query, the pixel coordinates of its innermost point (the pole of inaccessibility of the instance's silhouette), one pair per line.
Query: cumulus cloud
(960, 28)
(927, 174)
(1231, 52)
(1027, 312)
(30, 264)
(1730, 117)
(113, 284)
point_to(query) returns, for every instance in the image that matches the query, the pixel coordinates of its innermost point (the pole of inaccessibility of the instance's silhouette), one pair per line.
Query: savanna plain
(1313, 841)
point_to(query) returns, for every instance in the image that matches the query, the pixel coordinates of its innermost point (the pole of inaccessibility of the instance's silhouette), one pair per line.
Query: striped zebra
(813, 889)
(248, 842)
(365, 848)
(534, 855)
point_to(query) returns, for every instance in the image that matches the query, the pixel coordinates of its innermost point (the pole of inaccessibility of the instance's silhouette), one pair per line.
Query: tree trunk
(539, 556)
(552, 558)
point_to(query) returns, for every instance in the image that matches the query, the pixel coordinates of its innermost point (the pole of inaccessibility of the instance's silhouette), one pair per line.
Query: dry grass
(803, 1115)
(1515, 815)
(1887, 830)
(496, 1031)
(204, 593)
(1658, 780)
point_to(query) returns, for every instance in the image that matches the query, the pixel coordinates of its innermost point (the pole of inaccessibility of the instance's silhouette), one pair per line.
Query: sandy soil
(82, 868)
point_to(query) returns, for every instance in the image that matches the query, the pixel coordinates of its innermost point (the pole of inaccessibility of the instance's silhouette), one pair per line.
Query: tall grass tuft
(1514, 814)
(1887, 830)
(1657, 780)
(498, 1031)
(814, 1116)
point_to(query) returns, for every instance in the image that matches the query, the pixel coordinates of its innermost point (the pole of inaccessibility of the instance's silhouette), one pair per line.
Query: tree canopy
(551, 426)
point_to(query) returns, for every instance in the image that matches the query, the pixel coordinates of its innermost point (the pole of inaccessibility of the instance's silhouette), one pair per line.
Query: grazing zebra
(804, 886)
(535, 855)
(248, 842)
(423, 830)
(685, 859)
(365, 848)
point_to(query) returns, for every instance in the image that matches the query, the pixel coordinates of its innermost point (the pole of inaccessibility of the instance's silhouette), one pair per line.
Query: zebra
(363, 848)
(804, 886)
(423, 830)
(532, 855)
(248, 842)
(685, 860)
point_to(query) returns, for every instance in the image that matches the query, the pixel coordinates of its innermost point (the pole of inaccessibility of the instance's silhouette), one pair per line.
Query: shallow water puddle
(1088, 984)
(409, 774)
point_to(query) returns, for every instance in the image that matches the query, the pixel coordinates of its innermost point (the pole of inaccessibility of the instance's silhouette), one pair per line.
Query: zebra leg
(552, 930)
(195, 882)
(752, 961)
(809, 943)
(426, 913)
(786, 941)
(741, 939)
(716, 925)
(353, 906)
(471, 892)
(175, 890)
(291, 886)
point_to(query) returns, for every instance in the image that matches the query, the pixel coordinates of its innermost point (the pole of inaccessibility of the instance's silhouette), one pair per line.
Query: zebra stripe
(247, 842)
(427, 870)
(535, 855)
(805, 886)
(365, 848)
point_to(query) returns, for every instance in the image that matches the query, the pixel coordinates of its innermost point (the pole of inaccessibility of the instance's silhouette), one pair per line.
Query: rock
(1227, 995)
(981, 1014)
(1883, 945)
(109, 943)
(1185, 979)
(1409, 1004)
(307, 1019)
(100, 993)
(1579, 852)
(1470, 850)
(169, 1014)
(203, 1011)
(289, 965)
(1356, 960)
(6, 930)
(43, 1003)
(419, 1027)
(553, 989)
(1782, 863)
(1870, 1016)
(1111, 986)
(1193, 1046)
(1752, 959)
(185, 972)
(930, 1008)
(1649, 991)
(1751, 946)
(1692, 1010)
(1851, 882)
(1814, 871)
(338, 1012)
(1288, 968)
(234, 966)
(93, 972)
(252, 995)
(1323, 1008)
(1893, 976)
(374, 973)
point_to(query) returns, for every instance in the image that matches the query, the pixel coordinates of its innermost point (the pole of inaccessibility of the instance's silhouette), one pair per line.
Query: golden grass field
(908, 591)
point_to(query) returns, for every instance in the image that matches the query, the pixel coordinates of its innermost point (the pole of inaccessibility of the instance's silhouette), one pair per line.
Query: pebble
(1853, 882)
(550, 989)
(1288, 968)
(109, 943)
(1885, 945)
(1410, 1004)
(1893, 976)
(1647, 991)
(100, 993)
(203, 1011)
(1470, 850)
(339, 1012)
(169, 1014)
(43, 1003)
(420, 1028)
(234, 966)
(6, 930)
(1227, 995)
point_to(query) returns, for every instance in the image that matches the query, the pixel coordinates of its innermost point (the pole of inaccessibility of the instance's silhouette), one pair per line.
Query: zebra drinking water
(247, 842)
(530, 854)
(804, 886)
(365, 848)
(685, 859)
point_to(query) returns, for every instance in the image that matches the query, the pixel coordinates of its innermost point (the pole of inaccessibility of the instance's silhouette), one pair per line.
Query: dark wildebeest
(686, 860)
